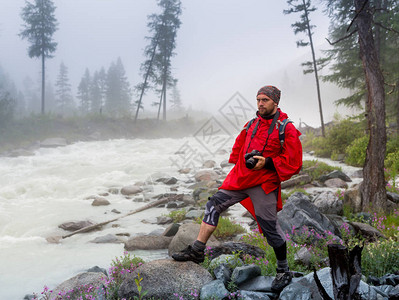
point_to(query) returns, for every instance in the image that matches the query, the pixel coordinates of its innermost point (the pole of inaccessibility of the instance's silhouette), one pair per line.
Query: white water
(40, 192)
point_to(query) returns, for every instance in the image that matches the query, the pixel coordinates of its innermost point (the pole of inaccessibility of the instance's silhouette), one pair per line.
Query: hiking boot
(283, 278)
(189, 254)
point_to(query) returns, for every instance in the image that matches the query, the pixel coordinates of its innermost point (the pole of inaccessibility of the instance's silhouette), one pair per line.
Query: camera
(250, 161)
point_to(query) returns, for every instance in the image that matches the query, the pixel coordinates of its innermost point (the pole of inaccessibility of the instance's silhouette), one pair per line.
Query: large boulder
(131, 190)
(148, 243)
(353, 198)
(164, 278)
(185, 236)
(296, 181)
(335, 174)
(306, 288)
(206, 175)
(299, 211)
(236, 247)
(367, 231)
(73, 287)
(329, 203)
(336, 183)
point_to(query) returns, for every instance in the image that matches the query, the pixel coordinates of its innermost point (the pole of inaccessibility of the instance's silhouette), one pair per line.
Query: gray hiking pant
(265, 206)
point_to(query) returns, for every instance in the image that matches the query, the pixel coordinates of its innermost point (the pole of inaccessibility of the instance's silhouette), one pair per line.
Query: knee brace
(211, 216)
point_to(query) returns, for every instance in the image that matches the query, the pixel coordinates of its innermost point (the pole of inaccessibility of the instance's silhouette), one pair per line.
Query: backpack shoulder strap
(281, 130)
(249, 124)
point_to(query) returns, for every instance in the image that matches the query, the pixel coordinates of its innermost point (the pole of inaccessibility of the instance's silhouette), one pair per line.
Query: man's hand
(260, 164)
(263, 162)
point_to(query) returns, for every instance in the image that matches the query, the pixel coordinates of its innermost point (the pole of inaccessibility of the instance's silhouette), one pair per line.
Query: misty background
(222, 47)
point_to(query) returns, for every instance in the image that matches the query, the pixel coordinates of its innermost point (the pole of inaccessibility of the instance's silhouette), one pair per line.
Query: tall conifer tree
(39, 27)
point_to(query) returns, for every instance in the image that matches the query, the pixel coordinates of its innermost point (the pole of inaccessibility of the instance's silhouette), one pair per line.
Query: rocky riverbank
(321, 210)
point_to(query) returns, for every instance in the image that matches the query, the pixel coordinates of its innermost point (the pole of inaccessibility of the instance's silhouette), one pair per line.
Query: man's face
(266, 106)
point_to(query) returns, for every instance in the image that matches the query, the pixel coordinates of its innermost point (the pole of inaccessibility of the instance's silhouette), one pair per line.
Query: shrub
(381, 258)
(316, 168)
(227, 228)
(177, 215)
(356, 152)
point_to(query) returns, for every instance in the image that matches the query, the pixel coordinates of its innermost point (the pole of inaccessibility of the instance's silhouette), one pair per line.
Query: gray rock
(100, 202)
(214, 290)
(306, 288)
(394, 293)
(115, 211)
(228, 260)
(167, 180)
(259, 284)
(107, 239)
(352, 198)
(225, 164)
(298, 211)
(296, 181)
(162, 220)
(209, 164)
(367, 231)
(206, 175)
(75, 225)
(162, 278)
(186, 235)
(236, 247)
(131, 190)
(194, 214)
(171, 230)
(335, 174)
(73, 284)
(98, 270)
(148, 243)
(366, 292)
(336, 183)
(304, 256)
(223, 273)
(248, 295)
(329, 203)
(244, 273)
(393, 197)
(296, 291)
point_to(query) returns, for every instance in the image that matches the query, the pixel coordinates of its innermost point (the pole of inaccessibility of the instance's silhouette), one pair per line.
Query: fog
(223, 47)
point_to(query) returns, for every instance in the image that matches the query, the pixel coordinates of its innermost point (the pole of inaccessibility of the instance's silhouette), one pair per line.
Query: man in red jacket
(262, 161)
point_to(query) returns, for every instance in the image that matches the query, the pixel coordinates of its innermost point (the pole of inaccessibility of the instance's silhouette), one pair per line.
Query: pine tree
(63, 92)
(118, 93)
(40, 25)
(157, 67)
(303, 26)
(95, 94)
(84, 93)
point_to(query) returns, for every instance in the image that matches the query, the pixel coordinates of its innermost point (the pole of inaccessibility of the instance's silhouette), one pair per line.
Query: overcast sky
(223, 47)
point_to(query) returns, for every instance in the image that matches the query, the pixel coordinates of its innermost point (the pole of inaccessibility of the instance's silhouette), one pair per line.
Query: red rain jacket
(287, 159)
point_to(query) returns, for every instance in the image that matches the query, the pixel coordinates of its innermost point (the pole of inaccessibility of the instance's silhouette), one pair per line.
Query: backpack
(281, 128)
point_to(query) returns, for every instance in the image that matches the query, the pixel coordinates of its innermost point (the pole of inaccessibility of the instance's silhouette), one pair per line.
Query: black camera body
(250, 161)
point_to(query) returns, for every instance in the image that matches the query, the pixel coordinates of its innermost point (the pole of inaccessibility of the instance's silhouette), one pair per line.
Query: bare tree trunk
(346, 271)
(160, 105)
(146, 80)
(43, 81)
(315, 70)
(373, 191)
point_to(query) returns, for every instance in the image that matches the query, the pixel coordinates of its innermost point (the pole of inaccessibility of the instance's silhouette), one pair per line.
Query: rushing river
(40, 192)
